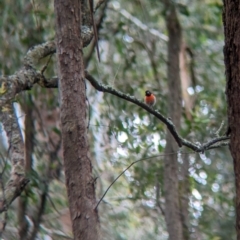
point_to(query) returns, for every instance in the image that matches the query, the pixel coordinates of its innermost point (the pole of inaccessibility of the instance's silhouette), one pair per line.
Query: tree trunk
(184, 194)
(28, 150)
(231, 20)
(77, 164)
(172, 209)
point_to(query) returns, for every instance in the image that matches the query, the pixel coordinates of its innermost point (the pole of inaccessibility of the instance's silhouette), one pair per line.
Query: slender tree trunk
(28, 150)
(231, 20)
(184, 187)
(172, 208)
(184, 190)
(77, 164)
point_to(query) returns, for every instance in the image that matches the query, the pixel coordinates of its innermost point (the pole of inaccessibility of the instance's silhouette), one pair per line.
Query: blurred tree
(171, 185)
(231, 56)
(134, 43)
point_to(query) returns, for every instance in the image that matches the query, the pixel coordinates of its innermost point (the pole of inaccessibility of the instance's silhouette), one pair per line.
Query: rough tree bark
(172, 208)
(77, 163)
(231, 20)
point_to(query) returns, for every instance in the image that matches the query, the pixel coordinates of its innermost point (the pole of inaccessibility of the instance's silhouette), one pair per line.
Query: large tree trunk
(77, 163)
(231, 19)
(172, 209)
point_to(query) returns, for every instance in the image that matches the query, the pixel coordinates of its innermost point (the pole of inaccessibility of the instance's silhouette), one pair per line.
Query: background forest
(133, 49)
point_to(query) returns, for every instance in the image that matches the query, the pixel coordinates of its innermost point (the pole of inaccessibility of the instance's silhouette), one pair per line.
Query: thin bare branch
(94, 28)
(105, 88)
(142, 159)
(98, 5)
(181, 141)
(138, 23)
(40, 212)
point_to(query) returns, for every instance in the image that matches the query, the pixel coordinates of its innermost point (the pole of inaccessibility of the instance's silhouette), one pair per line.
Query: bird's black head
(148, 93)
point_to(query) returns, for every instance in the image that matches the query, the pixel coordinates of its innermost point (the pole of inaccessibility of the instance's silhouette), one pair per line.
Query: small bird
(149, 99)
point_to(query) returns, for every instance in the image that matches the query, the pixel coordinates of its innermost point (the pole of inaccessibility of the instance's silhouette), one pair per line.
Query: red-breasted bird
(149, 99)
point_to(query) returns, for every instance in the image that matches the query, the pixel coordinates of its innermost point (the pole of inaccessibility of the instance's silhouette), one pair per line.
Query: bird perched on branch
(149, 99)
